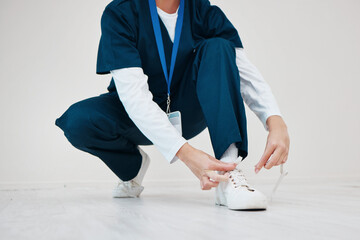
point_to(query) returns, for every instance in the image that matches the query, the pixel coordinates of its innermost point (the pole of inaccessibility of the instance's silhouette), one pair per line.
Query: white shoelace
(129, 187)
(127, 184)
(282, 175)
(241, 179)
(238, 178)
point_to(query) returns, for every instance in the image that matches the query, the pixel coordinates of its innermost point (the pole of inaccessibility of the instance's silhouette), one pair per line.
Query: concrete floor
(325, 209)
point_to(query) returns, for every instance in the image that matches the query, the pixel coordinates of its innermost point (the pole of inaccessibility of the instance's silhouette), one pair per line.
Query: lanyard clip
(168, 104)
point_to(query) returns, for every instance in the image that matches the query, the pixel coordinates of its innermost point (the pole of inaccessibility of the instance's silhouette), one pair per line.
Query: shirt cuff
(266, 115)
(170, 156)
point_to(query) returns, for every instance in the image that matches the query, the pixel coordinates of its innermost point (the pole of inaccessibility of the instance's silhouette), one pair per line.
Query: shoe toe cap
(246, 199)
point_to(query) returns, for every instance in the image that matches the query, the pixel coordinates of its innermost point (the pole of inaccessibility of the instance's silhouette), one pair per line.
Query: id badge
(175, 120)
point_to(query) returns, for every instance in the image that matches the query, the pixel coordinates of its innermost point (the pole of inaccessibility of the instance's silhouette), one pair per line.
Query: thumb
(222, 166)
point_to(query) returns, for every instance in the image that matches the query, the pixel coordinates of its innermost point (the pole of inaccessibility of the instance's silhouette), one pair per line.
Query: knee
(217, 43)
(76, 123)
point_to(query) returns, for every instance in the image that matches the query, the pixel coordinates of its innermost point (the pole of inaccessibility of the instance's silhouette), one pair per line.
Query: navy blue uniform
(205, 87)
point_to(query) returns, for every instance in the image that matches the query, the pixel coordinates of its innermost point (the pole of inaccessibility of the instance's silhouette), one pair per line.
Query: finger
(265, 157)
(222, 166)
(281, 158)
(217, 177)
(274, 158)
(284, 155)
(285, 158)
(206, 184)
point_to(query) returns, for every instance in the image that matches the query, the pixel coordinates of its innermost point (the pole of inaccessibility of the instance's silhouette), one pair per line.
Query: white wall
(308, 51)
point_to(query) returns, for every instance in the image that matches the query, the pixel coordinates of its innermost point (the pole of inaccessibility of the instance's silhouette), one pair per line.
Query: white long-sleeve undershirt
(152, 121)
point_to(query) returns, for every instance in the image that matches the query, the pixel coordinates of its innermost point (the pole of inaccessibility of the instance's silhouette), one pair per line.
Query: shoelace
(240, 175)
(128, 185)
(282, 175)
(238, 178)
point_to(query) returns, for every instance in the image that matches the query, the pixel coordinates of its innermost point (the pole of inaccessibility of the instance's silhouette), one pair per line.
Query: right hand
(200, 163)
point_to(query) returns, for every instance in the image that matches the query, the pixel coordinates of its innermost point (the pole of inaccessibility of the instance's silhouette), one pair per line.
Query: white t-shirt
(152, 121)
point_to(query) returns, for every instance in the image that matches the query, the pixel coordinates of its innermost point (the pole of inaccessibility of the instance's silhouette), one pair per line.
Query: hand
(277, 145)
(201, 164)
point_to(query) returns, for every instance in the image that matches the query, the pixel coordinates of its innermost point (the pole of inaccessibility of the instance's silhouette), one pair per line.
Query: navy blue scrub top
(128, 40)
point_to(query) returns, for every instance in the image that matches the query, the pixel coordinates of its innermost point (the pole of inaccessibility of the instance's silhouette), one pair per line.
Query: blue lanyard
(160, 44)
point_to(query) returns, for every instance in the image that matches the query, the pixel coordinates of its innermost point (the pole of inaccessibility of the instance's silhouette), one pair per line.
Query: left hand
(277, 145)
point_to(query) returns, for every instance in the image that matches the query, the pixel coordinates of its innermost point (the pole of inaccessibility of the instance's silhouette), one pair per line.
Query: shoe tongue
(238, 168)
(238, 161)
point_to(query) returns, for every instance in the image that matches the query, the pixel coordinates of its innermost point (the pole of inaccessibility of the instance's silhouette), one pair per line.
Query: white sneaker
(237, 194)
(133, 188)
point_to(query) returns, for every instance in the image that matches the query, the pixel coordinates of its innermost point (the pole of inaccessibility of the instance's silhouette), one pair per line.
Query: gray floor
(326, 209)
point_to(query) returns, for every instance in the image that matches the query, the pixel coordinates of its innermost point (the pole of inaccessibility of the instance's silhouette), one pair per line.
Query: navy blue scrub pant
(208, 96)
